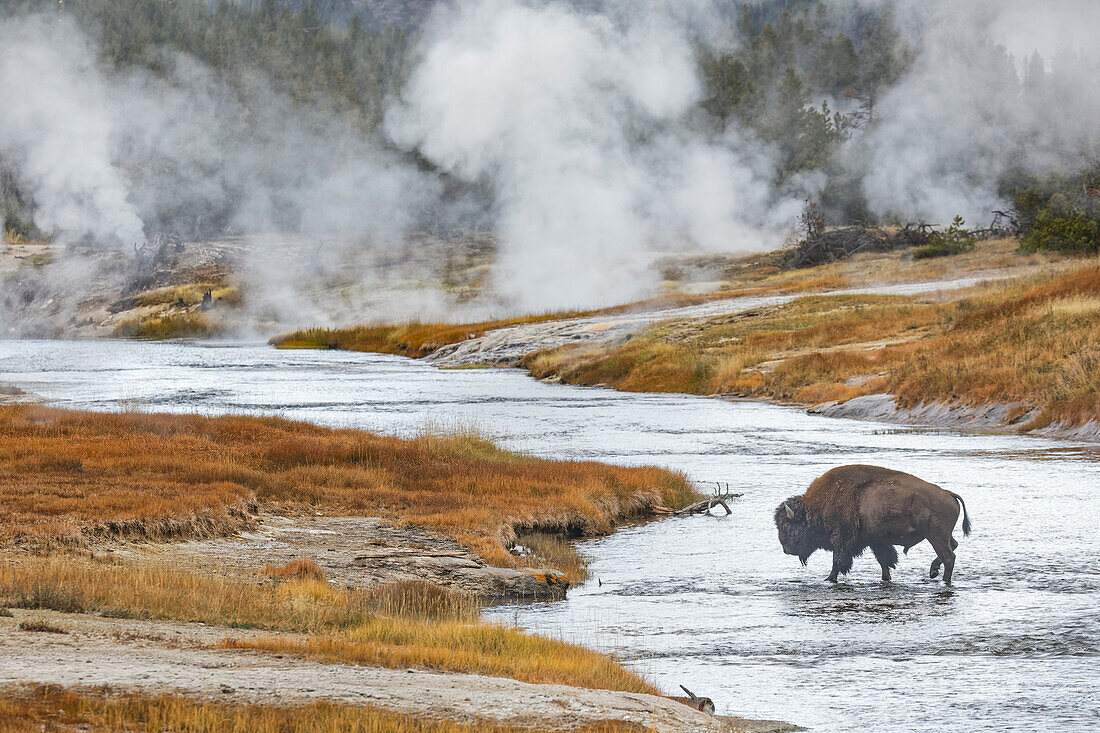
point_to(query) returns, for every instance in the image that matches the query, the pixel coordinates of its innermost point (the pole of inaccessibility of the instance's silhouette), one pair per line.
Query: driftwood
(150, 260)
(844, 242)
(702, 704)
(1004, 224)
(829, 245)
(718, 498)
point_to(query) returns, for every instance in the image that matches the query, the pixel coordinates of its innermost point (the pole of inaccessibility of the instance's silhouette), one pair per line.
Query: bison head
(799, 533)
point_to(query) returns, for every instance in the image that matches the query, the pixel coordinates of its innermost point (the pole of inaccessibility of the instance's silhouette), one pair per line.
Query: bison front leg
(887, 557)
(842, 563)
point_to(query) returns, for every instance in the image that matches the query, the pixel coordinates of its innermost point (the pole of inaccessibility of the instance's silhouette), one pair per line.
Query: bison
(848, 509)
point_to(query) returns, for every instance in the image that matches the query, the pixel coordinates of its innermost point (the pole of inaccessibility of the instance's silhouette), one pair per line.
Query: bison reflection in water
(848, 509)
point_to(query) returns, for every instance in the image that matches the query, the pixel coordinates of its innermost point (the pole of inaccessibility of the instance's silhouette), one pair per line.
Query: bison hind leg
(934, 571)
(945, 556)
(887, 557)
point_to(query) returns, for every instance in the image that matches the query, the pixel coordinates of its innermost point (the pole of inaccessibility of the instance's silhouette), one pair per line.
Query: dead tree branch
(719, 497)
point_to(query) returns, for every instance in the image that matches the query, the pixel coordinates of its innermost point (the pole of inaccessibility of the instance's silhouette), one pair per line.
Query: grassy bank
(35, 708)
(167, 326)
(1035, 341)
(70, 477)
(762, 274)
(414, 339)
(765, 271)
(417, 340)
(399, 626)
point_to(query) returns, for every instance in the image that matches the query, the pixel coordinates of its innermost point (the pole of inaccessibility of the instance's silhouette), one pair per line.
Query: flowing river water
(712, 602)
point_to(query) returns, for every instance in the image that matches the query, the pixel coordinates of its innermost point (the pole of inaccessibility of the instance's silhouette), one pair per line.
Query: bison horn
(790, 512)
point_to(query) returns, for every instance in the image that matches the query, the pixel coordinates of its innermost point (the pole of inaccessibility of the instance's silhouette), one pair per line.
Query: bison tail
(966, 517)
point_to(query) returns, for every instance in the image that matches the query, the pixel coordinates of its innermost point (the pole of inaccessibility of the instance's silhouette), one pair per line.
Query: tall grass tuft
(419, 600)
(300, 569)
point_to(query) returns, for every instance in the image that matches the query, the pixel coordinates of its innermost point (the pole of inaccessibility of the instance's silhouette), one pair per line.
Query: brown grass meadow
(764, 271)
(1034, 340)
(417, 340)
(70, 477)
(70, 481)
(36, 708)
(167, 326)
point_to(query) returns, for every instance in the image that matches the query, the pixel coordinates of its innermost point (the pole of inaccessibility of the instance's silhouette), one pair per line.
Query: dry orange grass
(400, 625)
(417, 339)
(71, 584)
(763, 270)
(483, 648)
(300, 569)
(35, 708)
(409, 339)
(1035, 341)
(67, 477)
(720, 355)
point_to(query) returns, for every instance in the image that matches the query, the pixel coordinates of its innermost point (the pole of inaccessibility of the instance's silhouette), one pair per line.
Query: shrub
(1060, 212)
(955, 240)
(1073, 233)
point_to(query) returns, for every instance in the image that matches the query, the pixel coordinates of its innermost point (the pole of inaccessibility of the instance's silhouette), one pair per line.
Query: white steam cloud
(57, 129)
(974, 105)
(579, 120)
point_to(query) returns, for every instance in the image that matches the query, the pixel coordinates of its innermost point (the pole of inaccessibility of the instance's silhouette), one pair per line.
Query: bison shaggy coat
(848, 509)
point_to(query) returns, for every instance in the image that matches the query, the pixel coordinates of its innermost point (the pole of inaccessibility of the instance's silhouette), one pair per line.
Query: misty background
(369, 142)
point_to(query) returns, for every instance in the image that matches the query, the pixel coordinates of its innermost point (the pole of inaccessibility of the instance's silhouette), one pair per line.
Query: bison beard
(852, 508)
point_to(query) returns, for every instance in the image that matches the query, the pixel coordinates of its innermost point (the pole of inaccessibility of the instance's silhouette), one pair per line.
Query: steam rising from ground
(581, 119)
(966, 112)
(580, 123)
(56, 127)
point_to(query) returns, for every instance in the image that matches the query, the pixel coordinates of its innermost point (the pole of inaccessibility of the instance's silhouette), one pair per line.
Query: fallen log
(718, 498)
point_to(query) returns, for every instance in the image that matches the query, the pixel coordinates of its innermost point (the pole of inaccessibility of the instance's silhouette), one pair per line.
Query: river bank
(304, 571)
(204, 663)
(990, 418)
(1002, 350)
(1015, 355)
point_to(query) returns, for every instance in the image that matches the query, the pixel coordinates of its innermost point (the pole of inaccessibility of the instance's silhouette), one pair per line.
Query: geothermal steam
(580, 123)
(580, 118)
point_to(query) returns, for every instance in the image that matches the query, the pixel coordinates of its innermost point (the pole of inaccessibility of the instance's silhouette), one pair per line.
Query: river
(713, 603)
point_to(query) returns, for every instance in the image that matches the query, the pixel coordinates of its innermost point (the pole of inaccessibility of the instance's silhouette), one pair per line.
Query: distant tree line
(792, 53)
(348, 67)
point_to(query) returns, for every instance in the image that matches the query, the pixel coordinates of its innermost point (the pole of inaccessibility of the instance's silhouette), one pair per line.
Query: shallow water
(713, 603)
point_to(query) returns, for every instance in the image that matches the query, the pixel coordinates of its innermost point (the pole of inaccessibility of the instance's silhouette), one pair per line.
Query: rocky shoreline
(997, 417)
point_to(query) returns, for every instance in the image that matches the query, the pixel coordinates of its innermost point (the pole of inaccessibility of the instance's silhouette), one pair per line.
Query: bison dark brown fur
(848, 509)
